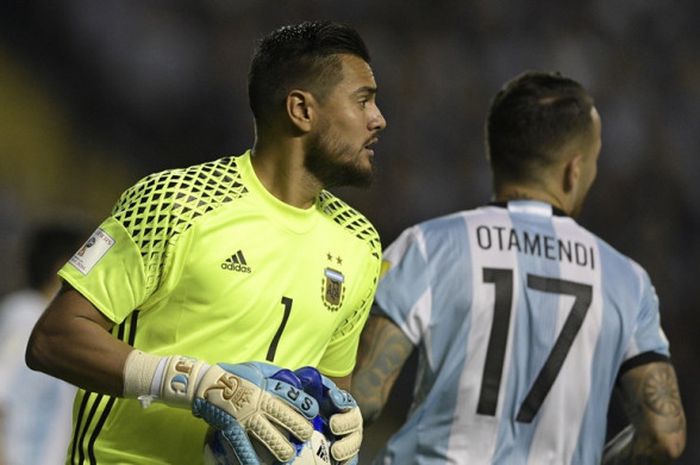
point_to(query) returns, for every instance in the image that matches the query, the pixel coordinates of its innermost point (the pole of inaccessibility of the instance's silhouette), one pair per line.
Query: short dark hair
(530, 118)
(302, 55)
(46, 246)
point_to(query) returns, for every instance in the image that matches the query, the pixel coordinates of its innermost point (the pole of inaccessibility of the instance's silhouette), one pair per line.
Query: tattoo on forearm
(660, 393)
(384, 352)
(655, 408)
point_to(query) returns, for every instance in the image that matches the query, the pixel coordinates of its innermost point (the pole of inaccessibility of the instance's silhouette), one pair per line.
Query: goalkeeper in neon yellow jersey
(198, 271)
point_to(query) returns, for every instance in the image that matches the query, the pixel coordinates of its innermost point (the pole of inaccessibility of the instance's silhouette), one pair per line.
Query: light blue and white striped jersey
(523, 320)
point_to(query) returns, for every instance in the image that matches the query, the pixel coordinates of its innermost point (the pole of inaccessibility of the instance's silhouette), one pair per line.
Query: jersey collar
(533, 207)
(299, 220)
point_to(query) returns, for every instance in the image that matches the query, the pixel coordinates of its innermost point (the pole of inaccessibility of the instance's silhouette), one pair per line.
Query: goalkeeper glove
(341, 411)
(237, 399)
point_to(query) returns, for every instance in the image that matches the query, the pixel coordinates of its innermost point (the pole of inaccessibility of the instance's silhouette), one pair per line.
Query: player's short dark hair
(530, 118)
(46, 246)
(301, 56)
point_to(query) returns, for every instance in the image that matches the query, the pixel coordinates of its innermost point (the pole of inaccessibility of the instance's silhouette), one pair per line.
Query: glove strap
(172, 380)
(140, 369)
(180, 380)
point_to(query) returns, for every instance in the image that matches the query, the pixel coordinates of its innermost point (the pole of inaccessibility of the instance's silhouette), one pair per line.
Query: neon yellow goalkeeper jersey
(204, 261)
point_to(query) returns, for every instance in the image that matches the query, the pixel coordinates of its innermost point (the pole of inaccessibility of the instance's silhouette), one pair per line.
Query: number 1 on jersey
(496, 351)
(287, 302)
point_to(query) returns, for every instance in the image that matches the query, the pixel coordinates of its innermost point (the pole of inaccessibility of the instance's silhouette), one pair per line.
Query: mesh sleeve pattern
(356, 223)
(163, 205)
(351, 219)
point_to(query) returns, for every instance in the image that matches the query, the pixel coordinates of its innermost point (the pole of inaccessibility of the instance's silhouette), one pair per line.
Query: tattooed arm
(383, 351)
(652, 401)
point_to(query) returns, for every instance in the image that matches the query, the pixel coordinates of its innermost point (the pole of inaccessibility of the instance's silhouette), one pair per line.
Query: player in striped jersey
(524, 320)
(245, 258)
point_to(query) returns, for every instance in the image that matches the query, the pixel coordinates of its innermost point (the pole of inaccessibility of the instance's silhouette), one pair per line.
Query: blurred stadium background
(96, 94)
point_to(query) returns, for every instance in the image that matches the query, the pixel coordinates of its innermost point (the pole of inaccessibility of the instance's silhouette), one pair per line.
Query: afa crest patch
(333, 289)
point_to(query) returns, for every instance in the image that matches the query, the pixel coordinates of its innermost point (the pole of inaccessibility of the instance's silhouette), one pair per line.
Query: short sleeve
(108, 271)
(403, 293)
(648, 336)
(125, 260)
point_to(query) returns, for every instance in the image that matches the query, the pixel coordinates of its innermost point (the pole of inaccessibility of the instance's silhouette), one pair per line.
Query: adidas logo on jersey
(236, 262)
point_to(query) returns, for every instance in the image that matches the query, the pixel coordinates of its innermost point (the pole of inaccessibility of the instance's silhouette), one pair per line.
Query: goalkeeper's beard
(336, 163)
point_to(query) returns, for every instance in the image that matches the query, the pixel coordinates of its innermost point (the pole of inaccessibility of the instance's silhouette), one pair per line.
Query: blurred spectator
(35, 409)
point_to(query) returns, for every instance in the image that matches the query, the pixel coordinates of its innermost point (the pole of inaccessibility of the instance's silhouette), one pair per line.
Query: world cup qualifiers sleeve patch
(92, 251)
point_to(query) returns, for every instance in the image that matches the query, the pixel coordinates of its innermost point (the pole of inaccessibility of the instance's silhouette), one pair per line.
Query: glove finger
(281, 413)
(346, 422)
(296, 397)
(288, 376)
(347, 447)
(311, 381)
(341, 399)
(277, 443)
(267, 370)
(237, 438)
